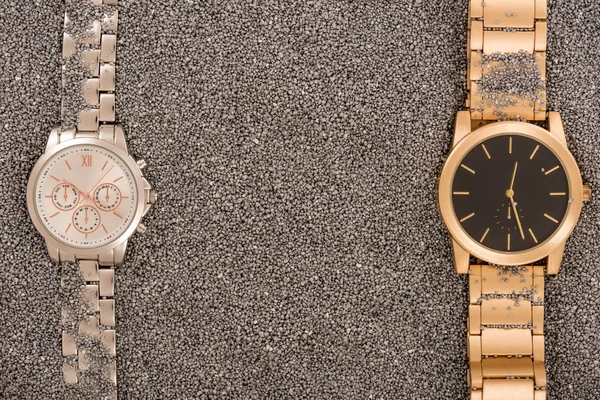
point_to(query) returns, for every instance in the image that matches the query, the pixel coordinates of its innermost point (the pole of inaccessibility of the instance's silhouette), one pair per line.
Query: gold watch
(86, 196)
(510, 194)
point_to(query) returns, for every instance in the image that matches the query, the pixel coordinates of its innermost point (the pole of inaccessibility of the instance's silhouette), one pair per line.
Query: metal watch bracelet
(88, 312)
(505, 340)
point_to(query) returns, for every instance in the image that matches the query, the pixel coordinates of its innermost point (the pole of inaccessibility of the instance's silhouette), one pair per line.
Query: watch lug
(150, 196)
(461, 258)
(115, 256)
(53, 252)
(556, 127)
(53, 139)
(119, 253)
(120, 138)
(555, 259)
(462, 126)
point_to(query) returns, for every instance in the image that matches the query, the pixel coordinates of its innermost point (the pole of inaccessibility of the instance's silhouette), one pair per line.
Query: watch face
(510, 193)
(85, 196)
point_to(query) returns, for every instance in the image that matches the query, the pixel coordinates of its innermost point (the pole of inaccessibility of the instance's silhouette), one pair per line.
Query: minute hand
(88, 194)
(512, 201)
(512, 180)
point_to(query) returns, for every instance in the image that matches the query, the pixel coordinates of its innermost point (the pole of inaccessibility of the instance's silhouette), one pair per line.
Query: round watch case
(453, 162)
(79, 251)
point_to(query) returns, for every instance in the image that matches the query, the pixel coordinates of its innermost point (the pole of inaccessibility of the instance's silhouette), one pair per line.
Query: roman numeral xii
(86, 160)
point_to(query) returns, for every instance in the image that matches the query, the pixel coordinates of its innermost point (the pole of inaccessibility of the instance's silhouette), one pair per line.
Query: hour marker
(86, 235)
(104, 227)
(467, 168)
(532, 235)
(484, 235)
(55, 178)
(68, 227)
(104, 166)
(55, 214)
(558, 193)
(508, 241)
(117, 214)
(487, 153)
(467, 217)
(124, 197)
(534, 151)
(119, 178)
(68, 165)
(461, 193)
(510, 145)
(551, 219)
(48, 196)
(86, 160)
(552, 170)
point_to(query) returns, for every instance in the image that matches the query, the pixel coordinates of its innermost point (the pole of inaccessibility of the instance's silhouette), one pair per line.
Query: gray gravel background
(297, 250)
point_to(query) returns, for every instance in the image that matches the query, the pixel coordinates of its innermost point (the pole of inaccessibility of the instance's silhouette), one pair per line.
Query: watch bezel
(85, 251)
(452, 164)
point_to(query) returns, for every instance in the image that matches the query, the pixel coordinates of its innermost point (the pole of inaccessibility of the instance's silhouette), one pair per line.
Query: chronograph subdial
(107, 197)
(65, 196)
(86, 219)
(505, 217)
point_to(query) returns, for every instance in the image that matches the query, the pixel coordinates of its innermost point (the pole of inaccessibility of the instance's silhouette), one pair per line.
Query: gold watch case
(463, 145)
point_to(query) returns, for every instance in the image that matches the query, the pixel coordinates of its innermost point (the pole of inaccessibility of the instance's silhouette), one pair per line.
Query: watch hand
(107, 197)
(100, 180)
(512, 201)
(512, 181)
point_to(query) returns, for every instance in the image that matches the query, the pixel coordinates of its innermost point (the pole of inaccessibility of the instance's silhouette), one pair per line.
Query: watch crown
(141, 228)
(587, 193)
(141, 163)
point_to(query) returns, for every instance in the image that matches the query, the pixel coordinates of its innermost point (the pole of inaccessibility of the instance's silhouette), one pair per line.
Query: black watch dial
(510, 193)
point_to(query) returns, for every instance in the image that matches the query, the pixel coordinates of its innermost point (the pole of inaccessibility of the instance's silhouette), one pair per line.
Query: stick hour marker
(68, 165)
(558, 193)
(487, 153)
(484, 235)
(104, 166)
(510, 145)
(534, 151)
(467, 168)
(48, 196)
(461, 193)
(119, 178)
(552, 170)
(104, 227)
(508, 241)
(551, 219)
(532, 235)
(117, 214)
(55, 178)
(68, 227)
(55, 214)
(467, 217)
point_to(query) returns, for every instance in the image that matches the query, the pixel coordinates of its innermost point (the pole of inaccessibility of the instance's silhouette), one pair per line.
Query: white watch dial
(86, 196)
